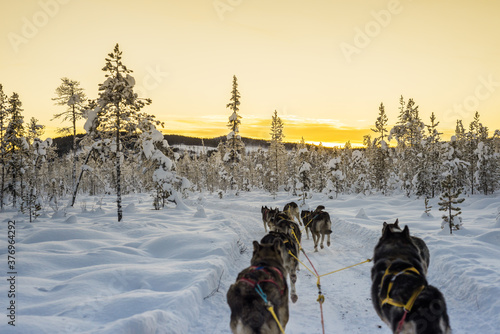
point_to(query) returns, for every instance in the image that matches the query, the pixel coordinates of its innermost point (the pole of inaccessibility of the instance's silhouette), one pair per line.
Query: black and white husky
(400, 293)
(422, 247)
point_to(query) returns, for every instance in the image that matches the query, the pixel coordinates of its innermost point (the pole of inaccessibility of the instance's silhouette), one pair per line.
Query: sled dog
(289, 260)
(249, 312)
(267, 215)
(282, 223)
(400, 293)
(422, 247)
(319, 223)
(292, 210)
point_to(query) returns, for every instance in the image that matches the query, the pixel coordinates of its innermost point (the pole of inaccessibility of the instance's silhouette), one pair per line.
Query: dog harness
(269, 278)
(388, 300)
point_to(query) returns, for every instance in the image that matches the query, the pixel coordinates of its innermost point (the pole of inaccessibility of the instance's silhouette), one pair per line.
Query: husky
(319, 223)
(422, 247)
(401, 295)
(292, 210)
(282, 223)
(249, 311)
(289, 260)
(267, 215)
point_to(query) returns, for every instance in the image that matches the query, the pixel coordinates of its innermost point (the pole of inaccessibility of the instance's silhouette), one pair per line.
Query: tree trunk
(450, 218)
(118, 166)
(75, 190)
(73, 173)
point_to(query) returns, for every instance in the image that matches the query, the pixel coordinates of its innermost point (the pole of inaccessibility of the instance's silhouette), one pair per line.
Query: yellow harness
(388, 300)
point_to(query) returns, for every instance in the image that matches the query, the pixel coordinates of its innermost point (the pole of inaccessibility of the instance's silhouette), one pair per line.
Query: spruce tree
(4, 121)
(379, 153)
(235, 146)
(15, 147)
(276, 152)
(119, 113)
(448, 201)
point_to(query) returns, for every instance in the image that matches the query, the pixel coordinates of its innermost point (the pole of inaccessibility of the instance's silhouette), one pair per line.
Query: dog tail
(254, 315)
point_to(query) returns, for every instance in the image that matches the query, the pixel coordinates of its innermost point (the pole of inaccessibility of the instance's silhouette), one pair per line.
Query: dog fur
(249, 313)
(292, 210)
(282, 223)
(267, 215)
(320, 224)
(422, 247)
(397, 251)
(290, 262)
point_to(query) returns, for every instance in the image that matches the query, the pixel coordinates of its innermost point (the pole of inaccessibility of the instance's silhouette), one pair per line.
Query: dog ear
(256, 246)
(277, 244)
(386, 231)
(406, 232)
(397, 222)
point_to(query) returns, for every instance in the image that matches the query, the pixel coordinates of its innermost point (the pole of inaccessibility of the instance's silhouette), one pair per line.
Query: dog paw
(322, 246)
(328, 243)
(294, 298)
(315, 249)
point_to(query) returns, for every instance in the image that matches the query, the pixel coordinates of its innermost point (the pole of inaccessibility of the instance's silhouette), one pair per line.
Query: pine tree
(381, 125)
(276, 152)
(379, 153)
(409, 134)
(118, 112)
(70, 95)
(15, 147)
(4, 120)
(449, 199)
(235, 146)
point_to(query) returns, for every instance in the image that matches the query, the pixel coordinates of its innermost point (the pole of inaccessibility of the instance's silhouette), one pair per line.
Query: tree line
(123, 152)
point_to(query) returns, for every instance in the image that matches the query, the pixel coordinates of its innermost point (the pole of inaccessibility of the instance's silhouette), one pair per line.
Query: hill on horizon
(64, 143)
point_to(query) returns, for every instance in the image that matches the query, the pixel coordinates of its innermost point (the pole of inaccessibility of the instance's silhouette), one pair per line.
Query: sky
(324, 65)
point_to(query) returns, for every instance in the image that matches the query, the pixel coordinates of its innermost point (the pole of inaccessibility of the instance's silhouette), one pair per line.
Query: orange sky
(324, 65)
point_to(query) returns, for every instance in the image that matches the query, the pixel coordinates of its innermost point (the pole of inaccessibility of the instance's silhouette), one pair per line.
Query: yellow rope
(296, 258)
(354, 265)
(271, 309)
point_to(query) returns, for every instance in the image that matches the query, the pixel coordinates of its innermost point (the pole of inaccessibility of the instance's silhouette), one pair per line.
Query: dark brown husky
(289, 258)
(400, 293)
(249, 311)
(267, 215)
(319, 223)
(292, 210)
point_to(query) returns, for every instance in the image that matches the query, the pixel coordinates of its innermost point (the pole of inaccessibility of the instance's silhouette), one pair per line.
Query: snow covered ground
(168, 271)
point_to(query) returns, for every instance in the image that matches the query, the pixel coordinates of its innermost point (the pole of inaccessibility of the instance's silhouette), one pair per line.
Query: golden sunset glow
(325, 66)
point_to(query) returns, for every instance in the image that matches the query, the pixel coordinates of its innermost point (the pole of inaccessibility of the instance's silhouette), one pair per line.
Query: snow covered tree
(409, 134)
(119, 113)
(380, 125)
(15, 148)
(36, 155)
(304, 179)
(336, 180)
(235, 147)
(277, 153)
(434, 154)
(378, 153)
(72, 97)
(448, 200)
(4, 120)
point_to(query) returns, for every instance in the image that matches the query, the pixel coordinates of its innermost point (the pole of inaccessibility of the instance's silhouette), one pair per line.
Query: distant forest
(64, 144)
